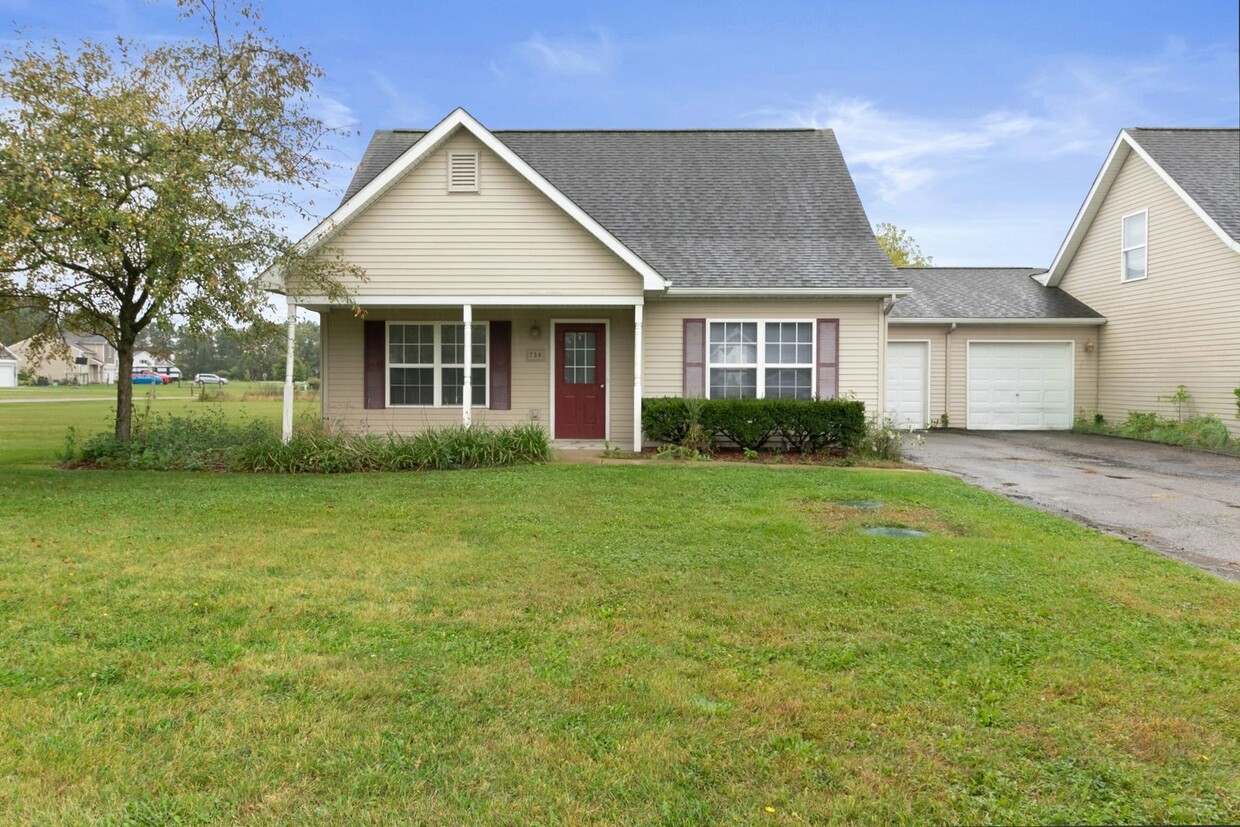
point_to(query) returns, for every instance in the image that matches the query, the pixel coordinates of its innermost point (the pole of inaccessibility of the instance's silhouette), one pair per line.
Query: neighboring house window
(426, 363)
(1134, 246)
(761, 359)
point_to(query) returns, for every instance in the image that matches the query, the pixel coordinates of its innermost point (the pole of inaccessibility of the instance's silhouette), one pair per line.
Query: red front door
(580, 377)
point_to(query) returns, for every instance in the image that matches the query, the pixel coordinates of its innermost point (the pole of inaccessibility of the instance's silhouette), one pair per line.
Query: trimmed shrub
(747, 423)
(209, 441)
(665, 419)
(800, 425)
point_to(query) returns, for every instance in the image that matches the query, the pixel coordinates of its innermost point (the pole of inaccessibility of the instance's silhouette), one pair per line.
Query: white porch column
(467, 392)
(287, 430)
(637, 378)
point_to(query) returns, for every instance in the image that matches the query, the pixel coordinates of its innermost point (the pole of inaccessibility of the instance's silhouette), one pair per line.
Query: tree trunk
(124, 387)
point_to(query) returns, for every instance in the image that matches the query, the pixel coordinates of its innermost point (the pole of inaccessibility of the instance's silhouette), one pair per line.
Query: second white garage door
(1020, 386)
(908, 374)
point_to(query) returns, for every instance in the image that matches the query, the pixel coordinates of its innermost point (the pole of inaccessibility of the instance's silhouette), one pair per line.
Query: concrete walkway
(1184, 504)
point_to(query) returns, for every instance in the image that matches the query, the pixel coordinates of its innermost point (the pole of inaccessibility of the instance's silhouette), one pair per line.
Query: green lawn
(695, 644)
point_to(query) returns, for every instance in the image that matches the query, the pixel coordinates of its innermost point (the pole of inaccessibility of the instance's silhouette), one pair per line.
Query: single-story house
(560, 276)
(8, 368)
(571, 273)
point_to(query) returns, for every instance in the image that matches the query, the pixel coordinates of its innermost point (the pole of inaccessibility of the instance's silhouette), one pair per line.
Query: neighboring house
(144, 360)
(1156, 249)
(990, 348)
(8, 368)
(719, 263)
(82, 360)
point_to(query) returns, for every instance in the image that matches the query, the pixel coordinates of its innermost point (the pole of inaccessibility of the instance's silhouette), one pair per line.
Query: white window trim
(1123, 251)
(437, 366)
(760, 366)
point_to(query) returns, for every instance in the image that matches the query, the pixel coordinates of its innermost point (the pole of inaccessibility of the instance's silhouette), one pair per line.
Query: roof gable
(422, 147)
(716, 212)
(1202, 167)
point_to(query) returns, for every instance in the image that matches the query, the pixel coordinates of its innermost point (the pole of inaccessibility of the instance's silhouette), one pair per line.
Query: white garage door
(1020, 386)
(8, 375)
(908, 366)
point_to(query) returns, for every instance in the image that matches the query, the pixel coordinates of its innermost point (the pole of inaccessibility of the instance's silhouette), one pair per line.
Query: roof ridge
(1182, 129)
(758, 130)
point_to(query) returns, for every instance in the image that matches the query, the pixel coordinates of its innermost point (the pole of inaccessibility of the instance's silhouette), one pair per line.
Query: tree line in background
(254, 353)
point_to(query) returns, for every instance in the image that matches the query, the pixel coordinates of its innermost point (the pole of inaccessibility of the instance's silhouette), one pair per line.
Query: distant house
(80, 360)
(1155, 248)
(8, 368)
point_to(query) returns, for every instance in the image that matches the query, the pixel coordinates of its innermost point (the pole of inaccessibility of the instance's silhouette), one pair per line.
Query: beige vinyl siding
(949, 354)
(861, 329)
(531, 380)
(1179, 325)
(506, 239)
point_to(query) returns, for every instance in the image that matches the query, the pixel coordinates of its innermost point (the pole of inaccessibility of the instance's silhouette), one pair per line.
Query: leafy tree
(900, 247)
(141, 184)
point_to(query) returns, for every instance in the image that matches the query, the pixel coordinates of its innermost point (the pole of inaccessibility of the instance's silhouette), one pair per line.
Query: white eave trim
(1123, 146)
(411, 300)
(460, 119)
(787, 292)
(963, 321)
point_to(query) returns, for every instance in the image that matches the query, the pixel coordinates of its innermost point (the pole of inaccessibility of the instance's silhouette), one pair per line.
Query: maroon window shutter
(694, 357)
(500, 369)
(374, 382)
(828, 358)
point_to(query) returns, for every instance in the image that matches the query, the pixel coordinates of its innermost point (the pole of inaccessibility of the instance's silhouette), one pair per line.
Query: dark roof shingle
(710, 209)
(1205, 163)
(984, 293)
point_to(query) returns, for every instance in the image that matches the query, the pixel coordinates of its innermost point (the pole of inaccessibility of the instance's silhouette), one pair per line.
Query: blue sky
(978, 127)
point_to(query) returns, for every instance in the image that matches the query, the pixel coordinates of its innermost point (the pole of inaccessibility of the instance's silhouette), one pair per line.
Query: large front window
(426, 363)
(761, 359)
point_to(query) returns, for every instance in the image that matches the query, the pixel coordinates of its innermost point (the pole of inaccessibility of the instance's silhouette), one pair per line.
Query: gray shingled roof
(1206, 163)
(984, 293)
(706, 209)
(7, 354)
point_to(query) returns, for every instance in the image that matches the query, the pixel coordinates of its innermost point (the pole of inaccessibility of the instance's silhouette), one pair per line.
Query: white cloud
(403, 109)
(1072, 105)
(569, 56)
(907, 152)
(334, 114)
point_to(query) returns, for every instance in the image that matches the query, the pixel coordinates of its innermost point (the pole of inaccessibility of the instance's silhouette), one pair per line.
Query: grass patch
(622, 644)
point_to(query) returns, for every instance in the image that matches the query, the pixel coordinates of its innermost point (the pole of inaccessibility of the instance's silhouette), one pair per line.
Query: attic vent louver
(462, 172)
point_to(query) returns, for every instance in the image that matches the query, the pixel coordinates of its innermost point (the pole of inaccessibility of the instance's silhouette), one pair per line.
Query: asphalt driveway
(1185, 504)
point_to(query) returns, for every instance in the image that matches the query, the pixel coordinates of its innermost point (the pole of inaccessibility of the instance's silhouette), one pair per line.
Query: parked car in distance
(209, 379)
(146, 379)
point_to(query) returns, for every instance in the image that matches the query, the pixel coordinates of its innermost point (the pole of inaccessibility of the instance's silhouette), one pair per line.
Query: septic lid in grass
(871, 504)
(893, 531)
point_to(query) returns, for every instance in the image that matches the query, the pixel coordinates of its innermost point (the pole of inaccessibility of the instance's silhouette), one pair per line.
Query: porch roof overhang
(409, 300)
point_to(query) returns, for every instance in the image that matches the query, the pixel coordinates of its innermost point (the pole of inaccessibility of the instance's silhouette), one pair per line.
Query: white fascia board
(413, 156)
(787, 292)
(417, 300)
(1124, 145)
(1066, 322)
(1089, 209)
(1178, 190)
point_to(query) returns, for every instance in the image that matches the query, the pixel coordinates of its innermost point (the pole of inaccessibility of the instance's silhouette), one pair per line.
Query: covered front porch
(571, 364)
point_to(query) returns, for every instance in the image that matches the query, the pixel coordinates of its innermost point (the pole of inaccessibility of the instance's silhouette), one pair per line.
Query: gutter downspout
(947, 370)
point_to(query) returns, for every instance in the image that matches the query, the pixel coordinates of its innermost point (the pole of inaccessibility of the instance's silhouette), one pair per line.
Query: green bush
(885, 441)
(800, 425)
(665, 419)
(209, 441)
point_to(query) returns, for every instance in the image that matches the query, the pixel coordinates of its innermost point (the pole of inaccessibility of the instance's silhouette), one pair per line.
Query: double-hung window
(761, 359)
(426, 363)
(1134, 246)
